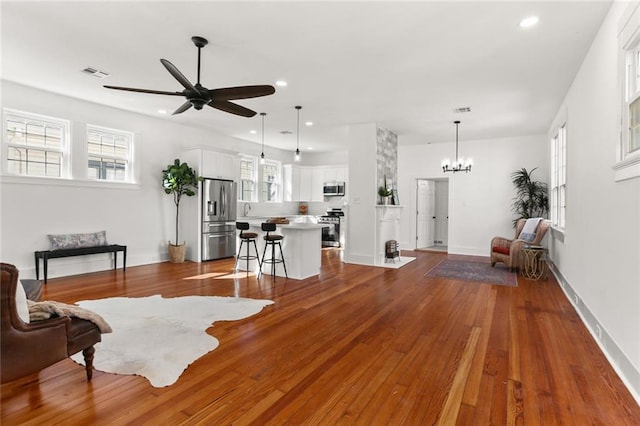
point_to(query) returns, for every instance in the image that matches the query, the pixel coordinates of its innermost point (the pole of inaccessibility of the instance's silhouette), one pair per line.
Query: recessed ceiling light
(529, 22)
(309, 148)
(309, 123)
(162, 111)
(281, 83)
(253, 132)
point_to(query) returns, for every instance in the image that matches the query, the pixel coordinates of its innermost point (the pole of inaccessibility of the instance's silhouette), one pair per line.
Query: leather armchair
(26, 348)
(507, 250)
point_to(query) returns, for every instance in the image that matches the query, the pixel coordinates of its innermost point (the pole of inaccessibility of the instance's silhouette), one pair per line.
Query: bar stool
(272, 240)
(246, 237)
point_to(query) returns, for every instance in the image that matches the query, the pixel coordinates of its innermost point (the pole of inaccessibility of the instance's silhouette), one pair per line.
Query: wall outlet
(598, 331)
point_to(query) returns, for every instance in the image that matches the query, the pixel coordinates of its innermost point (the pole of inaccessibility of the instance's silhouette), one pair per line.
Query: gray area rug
(481, 272)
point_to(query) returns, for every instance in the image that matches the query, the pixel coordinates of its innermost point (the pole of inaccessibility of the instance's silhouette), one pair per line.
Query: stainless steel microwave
(333, 189)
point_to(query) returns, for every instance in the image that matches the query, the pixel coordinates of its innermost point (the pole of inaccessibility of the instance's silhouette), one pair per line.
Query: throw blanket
(43, 310)
(529, 230)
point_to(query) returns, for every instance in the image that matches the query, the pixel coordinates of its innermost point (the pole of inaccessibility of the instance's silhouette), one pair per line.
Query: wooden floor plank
(354, 345)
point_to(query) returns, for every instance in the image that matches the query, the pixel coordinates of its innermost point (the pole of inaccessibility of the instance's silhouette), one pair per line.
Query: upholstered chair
(26, 348)
(507, 250)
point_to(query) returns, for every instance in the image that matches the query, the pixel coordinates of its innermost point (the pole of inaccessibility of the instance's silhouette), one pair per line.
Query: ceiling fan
(198, 96)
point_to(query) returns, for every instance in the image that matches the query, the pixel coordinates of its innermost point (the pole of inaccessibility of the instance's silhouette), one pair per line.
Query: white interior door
(425, 224)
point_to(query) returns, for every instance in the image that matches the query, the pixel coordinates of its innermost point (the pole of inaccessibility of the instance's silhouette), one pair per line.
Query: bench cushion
(68, 241)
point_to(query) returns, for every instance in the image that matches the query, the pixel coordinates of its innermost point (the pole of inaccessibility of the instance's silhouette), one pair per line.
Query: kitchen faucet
(246, 209)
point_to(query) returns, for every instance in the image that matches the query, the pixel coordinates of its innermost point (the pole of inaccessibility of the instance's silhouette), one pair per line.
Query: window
(628, 155)
(632, 99)
(36, 145)
(558, 177)
(248, 179)
(109, 154)
(270, 180)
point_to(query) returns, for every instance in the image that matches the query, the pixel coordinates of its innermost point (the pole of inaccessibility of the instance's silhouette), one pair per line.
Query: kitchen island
(302, 248)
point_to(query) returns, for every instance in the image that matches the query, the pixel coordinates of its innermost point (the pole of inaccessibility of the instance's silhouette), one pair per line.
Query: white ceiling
(402, 65)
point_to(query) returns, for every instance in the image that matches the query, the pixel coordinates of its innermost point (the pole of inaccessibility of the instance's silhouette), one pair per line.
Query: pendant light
(297, 158)
(262, 153)
(460, 165)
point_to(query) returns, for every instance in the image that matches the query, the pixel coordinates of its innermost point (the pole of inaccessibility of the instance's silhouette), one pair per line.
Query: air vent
(96, 73)
(461, 110)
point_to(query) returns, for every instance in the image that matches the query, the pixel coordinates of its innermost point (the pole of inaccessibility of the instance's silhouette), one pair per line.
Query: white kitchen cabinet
(218, 165)
(311, 179)
(317, 181)
(303, 183)
(335, 174)
(291, 179)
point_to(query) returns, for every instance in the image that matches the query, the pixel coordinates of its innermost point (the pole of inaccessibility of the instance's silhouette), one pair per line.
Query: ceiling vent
(96, 73)
(461, 110)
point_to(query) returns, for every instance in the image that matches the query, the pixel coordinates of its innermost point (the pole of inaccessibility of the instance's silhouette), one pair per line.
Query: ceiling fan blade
(231, 108)
(241, 92)
(132, 89)
(175, 72)
(185, 106)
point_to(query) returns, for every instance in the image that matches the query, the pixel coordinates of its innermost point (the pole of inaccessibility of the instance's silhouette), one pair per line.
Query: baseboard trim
(629, 375)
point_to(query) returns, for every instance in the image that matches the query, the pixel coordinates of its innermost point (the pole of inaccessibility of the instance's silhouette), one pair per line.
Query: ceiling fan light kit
(460, 164)
(297, 156)
(197, 96)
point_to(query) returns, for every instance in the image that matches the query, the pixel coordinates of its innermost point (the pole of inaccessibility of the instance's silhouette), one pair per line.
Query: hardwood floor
(357, 344)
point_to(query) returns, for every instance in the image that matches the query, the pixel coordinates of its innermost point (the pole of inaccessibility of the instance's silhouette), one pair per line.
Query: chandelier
(460, 165)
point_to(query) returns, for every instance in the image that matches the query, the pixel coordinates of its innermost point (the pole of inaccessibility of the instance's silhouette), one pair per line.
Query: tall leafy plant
(179, 179)
(532, 198)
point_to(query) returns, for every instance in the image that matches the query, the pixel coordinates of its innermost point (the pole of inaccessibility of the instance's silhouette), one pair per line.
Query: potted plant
(532, 198)
(178, 179)
(384, 194)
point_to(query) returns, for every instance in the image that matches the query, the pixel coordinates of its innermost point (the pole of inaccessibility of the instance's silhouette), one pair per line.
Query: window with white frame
(632, 98)
(36, 145)
(109, 154)
(559, 177)
(270, 180)
(628, 156)
(248, 179)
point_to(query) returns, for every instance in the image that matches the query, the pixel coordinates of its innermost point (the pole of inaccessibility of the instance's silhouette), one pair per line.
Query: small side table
(533, 262)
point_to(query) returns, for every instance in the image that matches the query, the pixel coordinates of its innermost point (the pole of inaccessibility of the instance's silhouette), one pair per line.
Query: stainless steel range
(331, 232)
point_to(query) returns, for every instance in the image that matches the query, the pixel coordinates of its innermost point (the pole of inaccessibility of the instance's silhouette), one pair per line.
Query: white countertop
(291, 225)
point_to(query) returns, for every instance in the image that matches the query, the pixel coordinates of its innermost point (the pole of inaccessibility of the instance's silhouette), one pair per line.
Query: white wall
(599, 260)
(140, 216)
(362, 193)
(479, 201)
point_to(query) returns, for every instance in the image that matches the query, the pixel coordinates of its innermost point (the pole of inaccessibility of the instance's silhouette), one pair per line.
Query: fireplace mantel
(387, 228)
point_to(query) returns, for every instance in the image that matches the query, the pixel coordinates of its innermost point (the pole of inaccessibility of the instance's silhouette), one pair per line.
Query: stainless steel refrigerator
(218, 219)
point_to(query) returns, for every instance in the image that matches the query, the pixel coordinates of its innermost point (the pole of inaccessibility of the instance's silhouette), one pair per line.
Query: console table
(45, 255)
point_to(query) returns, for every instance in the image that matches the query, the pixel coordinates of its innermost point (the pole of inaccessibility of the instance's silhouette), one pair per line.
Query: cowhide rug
(158, 338)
